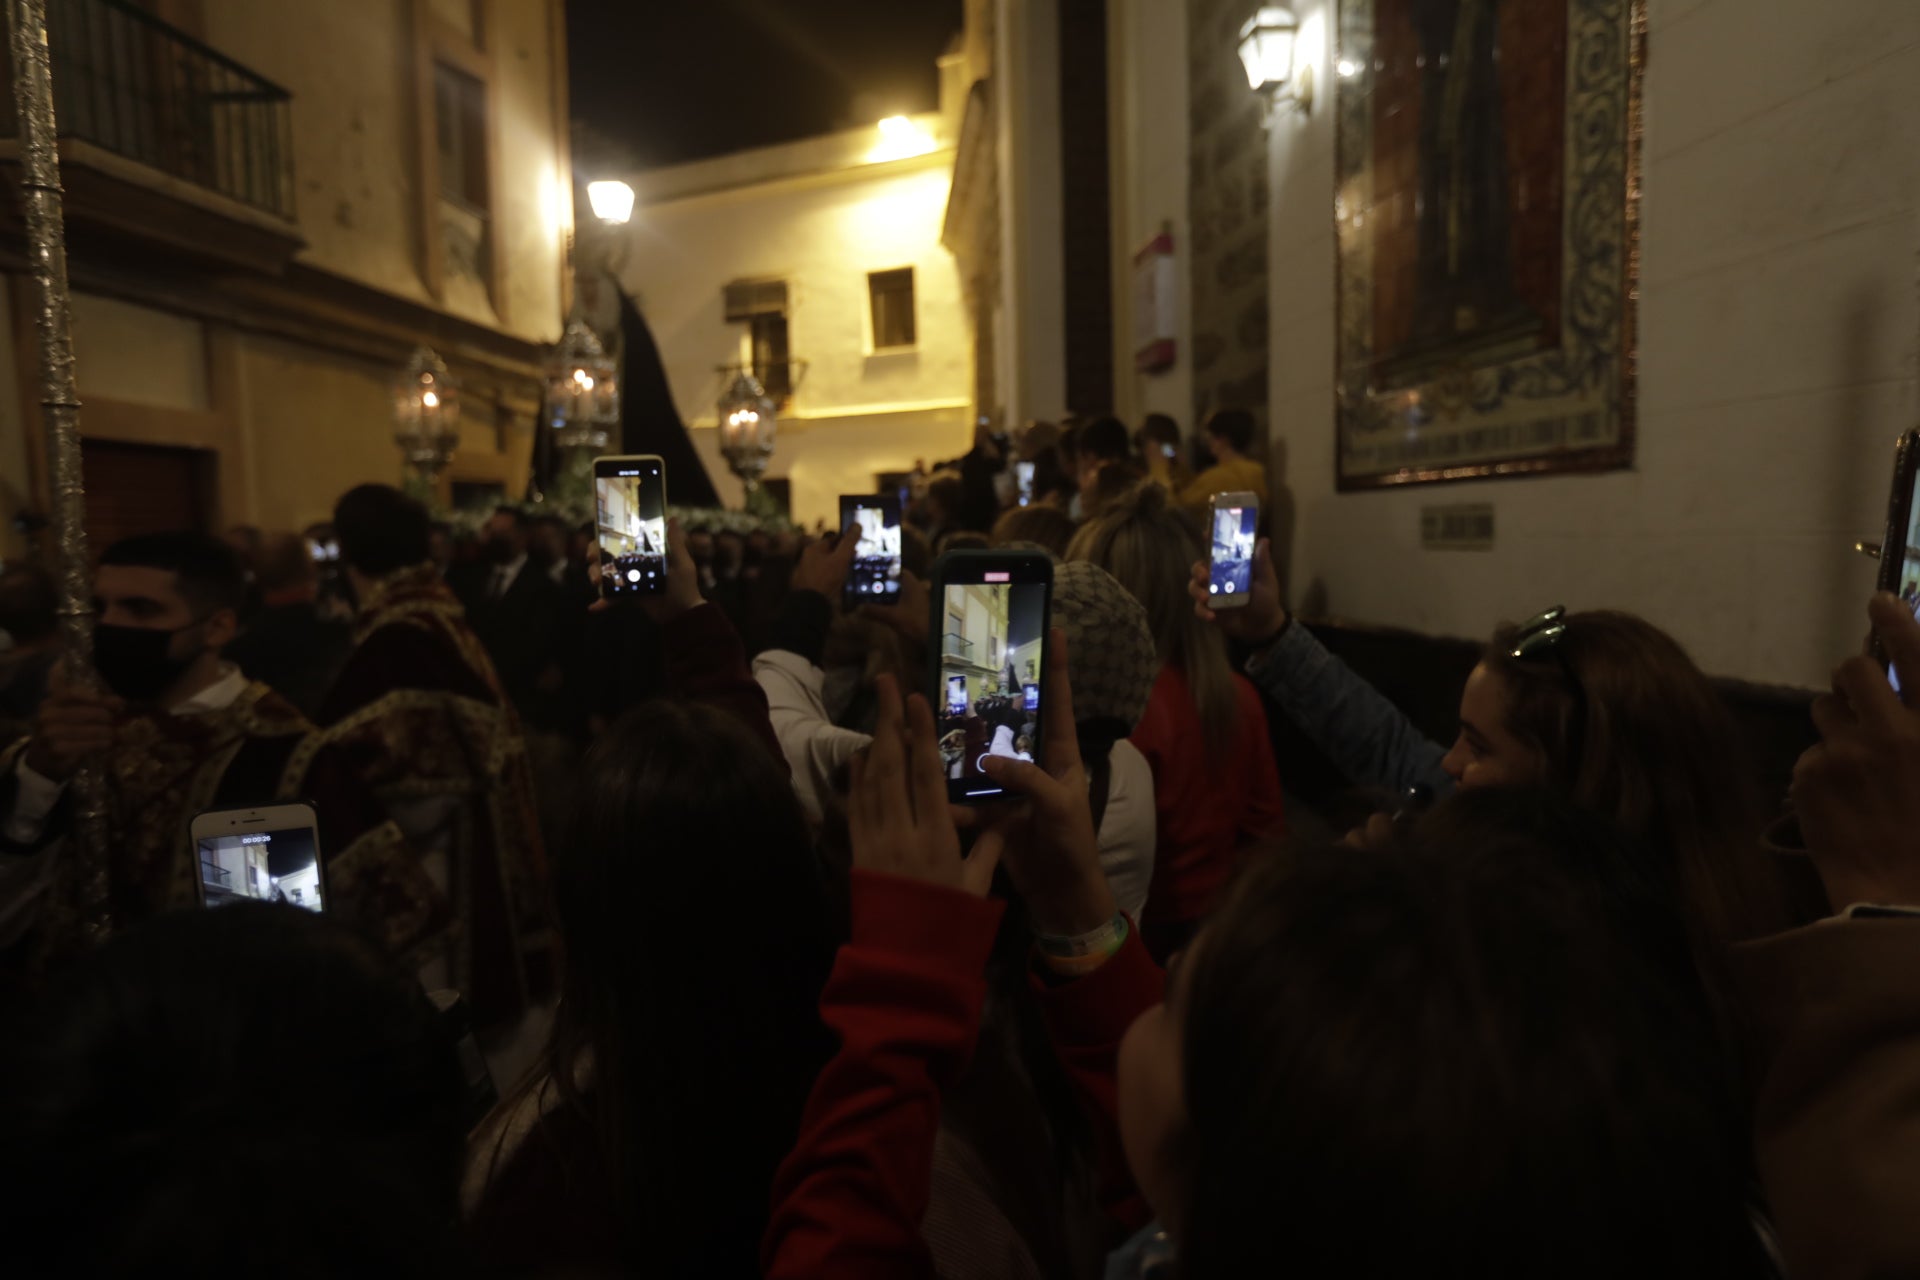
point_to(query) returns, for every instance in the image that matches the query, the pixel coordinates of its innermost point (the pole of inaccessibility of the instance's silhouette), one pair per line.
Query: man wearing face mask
(176, 731)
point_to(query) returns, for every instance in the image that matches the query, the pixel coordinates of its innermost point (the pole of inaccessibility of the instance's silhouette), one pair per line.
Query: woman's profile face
(1487, 754)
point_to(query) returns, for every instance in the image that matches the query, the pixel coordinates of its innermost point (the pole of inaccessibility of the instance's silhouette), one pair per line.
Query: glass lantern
(582, 390)
(426, 414)
(747, 429)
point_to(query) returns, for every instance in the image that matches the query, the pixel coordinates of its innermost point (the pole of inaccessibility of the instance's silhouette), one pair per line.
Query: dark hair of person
(1158, 429)
(29, 603)
(1629, 727)
(1115, 484)
(1144, 541)
(962, 540)
(1048, 527)
(519, 517)
(1478, 1051)
(252, 1090)
(205, 570)
(700, 1017)
(381, 530)
(283, 561)
(916, 553)
(1104, 440)
(1235, 426)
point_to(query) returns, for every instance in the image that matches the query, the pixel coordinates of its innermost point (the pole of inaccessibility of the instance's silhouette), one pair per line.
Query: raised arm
(1359, 729)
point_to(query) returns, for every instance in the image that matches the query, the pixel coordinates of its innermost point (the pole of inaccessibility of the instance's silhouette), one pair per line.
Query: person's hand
(897, 812)
(1049, 844)
(1261, 617)
(72, 725)
(909, 614)
(1376, 834)
(824, 565)
(683, 581)
(1857, 790)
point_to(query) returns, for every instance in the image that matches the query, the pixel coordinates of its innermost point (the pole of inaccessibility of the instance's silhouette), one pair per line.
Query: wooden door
(143, 488)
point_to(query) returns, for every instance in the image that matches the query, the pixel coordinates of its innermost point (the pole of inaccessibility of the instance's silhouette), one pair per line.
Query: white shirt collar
(217, 696)
(511, 569)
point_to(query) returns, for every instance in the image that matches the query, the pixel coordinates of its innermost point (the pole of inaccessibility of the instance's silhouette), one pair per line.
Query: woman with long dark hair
(697, 936)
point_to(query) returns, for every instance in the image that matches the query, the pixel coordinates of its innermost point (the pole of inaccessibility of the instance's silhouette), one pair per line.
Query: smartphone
(1236, 518)
(1023, 479)
(875, 576)
(990, 610)
(630, 513)
(1900, 548)
(269, 854)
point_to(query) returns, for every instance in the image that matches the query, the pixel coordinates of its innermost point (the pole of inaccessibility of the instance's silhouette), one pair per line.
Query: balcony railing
(954, 646)
(145, 91)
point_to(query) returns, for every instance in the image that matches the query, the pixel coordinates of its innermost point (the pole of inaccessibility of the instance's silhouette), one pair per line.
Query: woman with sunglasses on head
(1601, 707)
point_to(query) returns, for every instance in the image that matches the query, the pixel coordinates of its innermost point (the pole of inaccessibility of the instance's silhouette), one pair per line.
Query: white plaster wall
(1778, 324)
(854, 412)
(1148, 91)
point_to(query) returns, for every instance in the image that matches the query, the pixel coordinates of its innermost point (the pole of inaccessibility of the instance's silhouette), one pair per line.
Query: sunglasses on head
(1536, 637)
(1538, 640)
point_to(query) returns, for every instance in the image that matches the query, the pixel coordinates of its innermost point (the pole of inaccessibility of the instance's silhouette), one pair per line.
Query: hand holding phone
(268, 854)
(1854, 793)
(1900, 546)
(990, 611)
(1235, 524)
(630, 512)
(873, 521)
(1049, 846)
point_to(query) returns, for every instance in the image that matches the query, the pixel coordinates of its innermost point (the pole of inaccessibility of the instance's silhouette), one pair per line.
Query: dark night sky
(675, 80)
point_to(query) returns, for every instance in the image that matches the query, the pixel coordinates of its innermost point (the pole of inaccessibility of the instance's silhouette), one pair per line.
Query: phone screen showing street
(1233, 534)
(261, 866)
(990, 655)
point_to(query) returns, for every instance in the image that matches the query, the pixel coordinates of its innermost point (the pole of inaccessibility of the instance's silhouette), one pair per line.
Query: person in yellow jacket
(1230, 437)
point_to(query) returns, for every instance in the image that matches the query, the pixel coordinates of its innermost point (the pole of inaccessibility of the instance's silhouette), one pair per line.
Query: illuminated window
(891, 296)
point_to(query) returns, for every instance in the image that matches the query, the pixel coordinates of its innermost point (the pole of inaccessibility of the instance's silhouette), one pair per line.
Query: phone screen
(1234, 526)
(992, 653)
(630, 497)
(261, 866)
(1023, 476)
(875, 575)
(1909, 551)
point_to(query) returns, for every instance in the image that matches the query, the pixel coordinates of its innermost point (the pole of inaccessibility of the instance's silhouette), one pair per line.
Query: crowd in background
(739, 993)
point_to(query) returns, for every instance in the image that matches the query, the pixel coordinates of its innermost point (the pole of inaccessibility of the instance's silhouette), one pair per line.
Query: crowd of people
(653, 946)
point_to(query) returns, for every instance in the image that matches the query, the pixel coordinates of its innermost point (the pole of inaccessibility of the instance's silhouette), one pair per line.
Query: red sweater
(905, 999)
(1209, 808)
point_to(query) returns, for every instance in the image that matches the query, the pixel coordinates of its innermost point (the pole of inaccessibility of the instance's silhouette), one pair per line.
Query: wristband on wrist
(1083, 953)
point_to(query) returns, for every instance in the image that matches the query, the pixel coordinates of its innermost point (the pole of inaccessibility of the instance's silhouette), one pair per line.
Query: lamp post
(582, 403)
(747, 429)
(426, 421)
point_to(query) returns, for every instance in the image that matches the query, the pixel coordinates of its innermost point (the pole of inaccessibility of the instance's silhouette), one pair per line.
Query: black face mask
(136, 662)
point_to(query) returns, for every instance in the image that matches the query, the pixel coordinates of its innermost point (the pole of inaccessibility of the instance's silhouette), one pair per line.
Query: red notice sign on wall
(1156, 291)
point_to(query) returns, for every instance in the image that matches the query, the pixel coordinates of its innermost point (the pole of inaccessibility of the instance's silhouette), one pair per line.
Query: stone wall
(1228, 165)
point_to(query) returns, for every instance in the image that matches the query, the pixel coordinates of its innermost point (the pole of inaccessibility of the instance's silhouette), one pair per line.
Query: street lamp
(583, 390)
(426, 417)
(1267, 50)
(612, 201)
(747, 429)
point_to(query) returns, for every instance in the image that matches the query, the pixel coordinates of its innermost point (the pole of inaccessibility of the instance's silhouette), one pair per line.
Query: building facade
(1776, 354)
(268, 208)
(819, 264)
